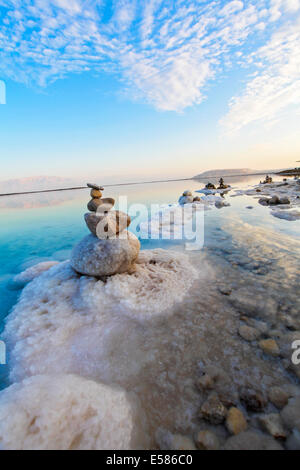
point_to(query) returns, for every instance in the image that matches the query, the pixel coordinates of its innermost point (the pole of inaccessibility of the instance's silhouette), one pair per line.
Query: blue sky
(148, 88)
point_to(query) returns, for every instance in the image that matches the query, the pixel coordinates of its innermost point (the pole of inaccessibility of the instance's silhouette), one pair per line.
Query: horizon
(135, 90)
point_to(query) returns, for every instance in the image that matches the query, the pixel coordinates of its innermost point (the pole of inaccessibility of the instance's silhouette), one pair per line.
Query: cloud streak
(166, 53)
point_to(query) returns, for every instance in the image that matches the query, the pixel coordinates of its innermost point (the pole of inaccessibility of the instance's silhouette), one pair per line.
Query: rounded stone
(187, 193)
(105, 205)
(101, 205)
(95, 193)
(185, 200)
(94, 257)
(207, 440)
(236, 421)
(270, 347)
(111, 224)
(248, 333)
(93, 204)
(92, 220)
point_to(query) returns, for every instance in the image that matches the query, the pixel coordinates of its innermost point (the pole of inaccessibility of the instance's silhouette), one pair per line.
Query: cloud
(276, 85)
(165, 52)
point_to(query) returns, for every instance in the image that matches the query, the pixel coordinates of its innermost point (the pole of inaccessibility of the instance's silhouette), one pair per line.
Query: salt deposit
(34, 271)
(60, 306)
(69, 413)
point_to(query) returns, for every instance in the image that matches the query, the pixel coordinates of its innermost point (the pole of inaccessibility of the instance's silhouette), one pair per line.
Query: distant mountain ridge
(231, 172)
(35, 183)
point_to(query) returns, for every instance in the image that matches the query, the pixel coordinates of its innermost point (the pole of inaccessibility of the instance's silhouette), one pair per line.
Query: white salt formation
(61, 306)
(34, 271)
(69, 413)
(282, 198)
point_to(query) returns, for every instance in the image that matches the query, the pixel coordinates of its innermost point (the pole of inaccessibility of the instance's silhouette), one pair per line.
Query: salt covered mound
(69, 413)
(67, 323)
(174, 221)
(34, 271)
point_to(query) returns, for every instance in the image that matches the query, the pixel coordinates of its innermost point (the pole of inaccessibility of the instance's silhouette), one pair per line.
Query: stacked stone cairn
(110, 248)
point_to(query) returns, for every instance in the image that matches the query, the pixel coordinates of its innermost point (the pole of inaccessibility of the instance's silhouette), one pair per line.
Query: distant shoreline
(135, 183)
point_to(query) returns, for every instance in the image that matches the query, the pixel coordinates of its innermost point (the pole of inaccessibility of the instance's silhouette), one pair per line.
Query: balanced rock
(95, 193)
(94, 257)
(107, 225)
(112, 223)
(101, 205)
(95, 186)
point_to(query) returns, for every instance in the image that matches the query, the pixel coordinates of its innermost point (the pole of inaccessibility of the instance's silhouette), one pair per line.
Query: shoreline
(193, 178)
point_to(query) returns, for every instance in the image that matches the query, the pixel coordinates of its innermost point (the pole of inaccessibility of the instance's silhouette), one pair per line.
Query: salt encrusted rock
(248, 333)
(180, 442)
(279, 397)
(207, 440)
(213, 410)
(236, 421)
(94, 257)
(185, 200)
(67, 412)
(206, 382)
(270, 347)
(168, 441)
(285, 200)
(274, 200)
(253, 399)
(264, 201)
(187, 193)
(250, 440)
(221, 203)
(291, 414)
(272, 423)
(293, 442)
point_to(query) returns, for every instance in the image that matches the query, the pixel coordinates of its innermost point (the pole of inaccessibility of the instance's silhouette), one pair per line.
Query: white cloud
(165, 51)
(275, 87)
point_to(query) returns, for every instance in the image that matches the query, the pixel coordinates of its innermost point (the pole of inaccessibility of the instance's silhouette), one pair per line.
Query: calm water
(43, 227)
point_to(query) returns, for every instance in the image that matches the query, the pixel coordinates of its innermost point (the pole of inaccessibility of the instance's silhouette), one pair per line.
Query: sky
(156, 88)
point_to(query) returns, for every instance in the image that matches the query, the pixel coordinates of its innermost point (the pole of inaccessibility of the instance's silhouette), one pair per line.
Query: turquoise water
(41, 227)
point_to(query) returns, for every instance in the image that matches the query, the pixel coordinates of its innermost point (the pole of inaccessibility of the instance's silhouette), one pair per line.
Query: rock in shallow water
(94, 257)
(236, 421)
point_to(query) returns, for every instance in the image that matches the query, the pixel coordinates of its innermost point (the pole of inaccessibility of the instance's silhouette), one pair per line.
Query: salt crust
(68, 412)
